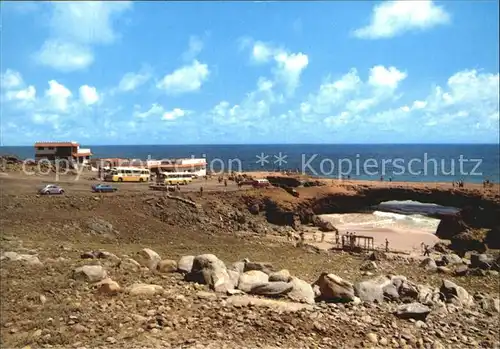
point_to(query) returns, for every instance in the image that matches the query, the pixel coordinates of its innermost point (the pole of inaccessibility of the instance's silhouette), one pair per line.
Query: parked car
(103, 188)
(51, 189)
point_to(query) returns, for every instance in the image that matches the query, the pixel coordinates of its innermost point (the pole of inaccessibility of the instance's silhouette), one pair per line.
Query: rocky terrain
(142, 270)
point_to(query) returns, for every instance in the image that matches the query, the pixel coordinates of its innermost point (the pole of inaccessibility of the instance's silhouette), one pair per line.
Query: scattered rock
(108, 287)
(139, 289)
(282, 275)
(27, 259)
(429, 264)
(481, 261)
(368, 266)
(167, 266)
(372, 337)
(490, 304)
(444, 270)
(462, 270)
(415, 311)
(90, 273)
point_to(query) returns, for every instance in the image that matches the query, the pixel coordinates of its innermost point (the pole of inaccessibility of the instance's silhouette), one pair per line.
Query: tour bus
(172, 178)
(128, 174)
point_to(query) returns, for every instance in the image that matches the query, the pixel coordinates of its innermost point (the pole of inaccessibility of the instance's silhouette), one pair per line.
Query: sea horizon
(471, 163)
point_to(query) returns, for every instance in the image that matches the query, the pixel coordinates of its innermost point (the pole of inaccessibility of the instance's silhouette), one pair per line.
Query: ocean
(400, 162)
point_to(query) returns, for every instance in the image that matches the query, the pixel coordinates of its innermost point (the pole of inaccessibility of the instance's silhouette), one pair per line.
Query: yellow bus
(128, 174)
(172, 178)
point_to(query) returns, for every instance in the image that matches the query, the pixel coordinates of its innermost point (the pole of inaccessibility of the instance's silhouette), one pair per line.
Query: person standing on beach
(427, 251)
(386, 245)
(201, 191)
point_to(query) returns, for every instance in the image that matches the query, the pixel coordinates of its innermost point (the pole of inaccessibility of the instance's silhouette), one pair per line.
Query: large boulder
(335, 289)
(185, 264)
(272, 289)
(372, 290)
(452, 293)
(148, 258)
(301, 291)
(407, 290)
(210, 270)
(250, 279)
(450, 226)
(472, 240)
(90, 273)
(262, 266)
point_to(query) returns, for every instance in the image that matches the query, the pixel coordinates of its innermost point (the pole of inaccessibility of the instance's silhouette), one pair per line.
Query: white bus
(172, 178)
(128, 174)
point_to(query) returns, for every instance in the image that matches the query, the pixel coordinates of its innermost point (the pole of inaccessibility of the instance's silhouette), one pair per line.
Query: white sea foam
(384, 220)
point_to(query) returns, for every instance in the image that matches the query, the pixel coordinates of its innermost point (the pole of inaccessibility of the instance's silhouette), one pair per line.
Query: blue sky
(250, 72)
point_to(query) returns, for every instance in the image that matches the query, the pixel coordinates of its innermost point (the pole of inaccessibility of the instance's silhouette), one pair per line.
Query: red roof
(56, 144)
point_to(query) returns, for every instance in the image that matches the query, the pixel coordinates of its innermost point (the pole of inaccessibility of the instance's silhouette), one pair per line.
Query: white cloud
(261, 52)
(58, 96)
(289, 66)
(469, 95)
(174, 114)
(46, 119)
(75, 27)
(27, 94)
(381, 76)
(130, 81)
(11, 79)
(188, 78)
(195, 47)
(64, 56)
(393, 18)
(88, 94)
(87, 22)
(155, 109)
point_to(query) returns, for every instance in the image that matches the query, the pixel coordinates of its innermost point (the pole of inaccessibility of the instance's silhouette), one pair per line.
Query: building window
(40, 148)
(50, 148)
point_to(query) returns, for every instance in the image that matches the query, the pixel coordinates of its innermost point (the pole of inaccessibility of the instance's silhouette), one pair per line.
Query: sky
(250, 72)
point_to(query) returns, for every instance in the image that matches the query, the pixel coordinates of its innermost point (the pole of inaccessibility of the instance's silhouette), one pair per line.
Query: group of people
(459, 184)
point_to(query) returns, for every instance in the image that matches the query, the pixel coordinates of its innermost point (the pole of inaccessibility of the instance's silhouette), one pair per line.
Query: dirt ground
(59, 229)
